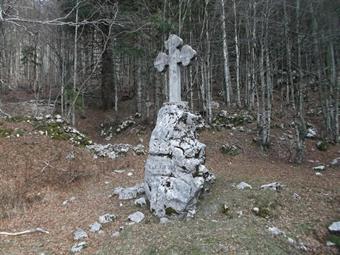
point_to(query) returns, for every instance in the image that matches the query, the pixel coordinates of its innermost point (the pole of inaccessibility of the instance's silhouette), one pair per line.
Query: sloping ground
(36, 179)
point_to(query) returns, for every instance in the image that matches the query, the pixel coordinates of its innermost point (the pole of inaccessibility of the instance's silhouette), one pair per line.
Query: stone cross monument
(177, 55)
(175, 174)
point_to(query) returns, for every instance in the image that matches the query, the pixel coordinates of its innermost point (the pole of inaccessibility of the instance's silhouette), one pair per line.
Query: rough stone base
(175, 174)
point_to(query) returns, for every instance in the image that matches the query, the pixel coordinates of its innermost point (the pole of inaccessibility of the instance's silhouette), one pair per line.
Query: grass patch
(334, 239)
(5, 132)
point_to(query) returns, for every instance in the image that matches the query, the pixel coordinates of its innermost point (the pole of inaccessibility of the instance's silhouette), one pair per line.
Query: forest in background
(266, 56)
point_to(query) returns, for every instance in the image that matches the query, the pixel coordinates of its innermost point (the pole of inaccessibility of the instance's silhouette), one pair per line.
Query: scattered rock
(243, 185)
(69, 200)
(136, 217)
(70, 156)
(318, 174)
(119, 171)
(78, 247)
(107, 218)
(322, 145)
(115, 234)
(335, 227)
(256, 210)
(296, 196)
(319, 168)
(164, 220)
(311, 133)
(329, 243)
(231, 150)
(239, 214)
(111, 151)
(95, 227)
(276, 186)
(79, 234)
(139, 149)
(263, 212)
(291, 241)
(335, 162)
(129, 193)
(140, 202)
(276, 231)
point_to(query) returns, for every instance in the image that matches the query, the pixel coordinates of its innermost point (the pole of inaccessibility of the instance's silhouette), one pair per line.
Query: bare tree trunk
(253, 88)
(208, 78)
(290, 81)
(334, 81)
(300, 126)
(75, 70)
(227, 79)
(237, 49)
(139, 86)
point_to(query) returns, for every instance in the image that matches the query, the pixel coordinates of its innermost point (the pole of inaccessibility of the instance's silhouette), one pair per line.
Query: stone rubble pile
(227, 120)
(110, 129)
(113, 151)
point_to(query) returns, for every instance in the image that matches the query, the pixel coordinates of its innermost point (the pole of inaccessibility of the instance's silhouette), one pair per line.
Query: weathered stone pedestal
(175, 174)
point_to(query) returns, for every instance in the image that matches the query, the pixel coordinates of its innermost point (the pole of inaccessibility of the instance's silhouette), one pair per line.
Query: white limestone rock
(136, 217)
(107, 218)
(140, 202)
(335, 227)
(311, 133)
(275, 186)
(79, 234)
(78, 247)
(276, 231)
(319, 168)
(243, 185)
(95, 227)
(175, 174)
(130, 192)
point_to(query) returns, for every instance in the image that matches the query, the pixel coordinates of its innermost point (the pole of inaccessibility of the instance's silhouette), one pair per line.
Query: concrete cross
(176, 55)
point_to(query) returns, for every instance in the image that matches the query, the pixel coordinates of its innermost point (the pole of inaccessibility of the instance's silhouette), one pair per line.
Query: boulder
(175, 174)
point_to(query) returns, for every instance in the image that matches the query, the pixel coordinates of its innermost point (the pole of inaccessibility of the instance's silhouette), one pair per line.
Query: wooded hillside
(271, 57)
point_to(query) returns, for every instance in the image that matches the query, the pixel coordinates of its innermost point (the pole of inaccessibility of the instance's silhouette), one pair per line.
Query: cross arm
(161, 62)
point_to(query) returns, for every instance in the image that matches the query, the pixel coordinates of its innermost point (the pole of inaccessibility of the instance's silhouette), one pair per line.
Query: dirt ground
(36, 180)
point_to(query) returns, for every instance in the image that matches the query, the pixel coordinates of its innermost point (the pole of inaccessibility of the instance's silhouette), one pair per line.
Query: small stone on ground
(106, 218)
(78, 247)
(243, 185)
(79, 234)
(335, 227)
(95, 227)
(136, 217)
(140, 202)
